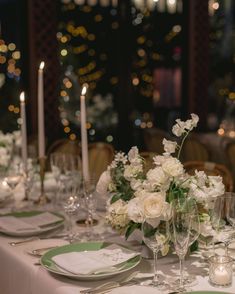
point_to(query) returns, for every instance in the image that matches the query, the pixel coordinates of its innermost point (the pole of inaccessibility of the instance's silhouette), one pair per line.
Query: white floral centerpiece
(136, 195)
(7, 142)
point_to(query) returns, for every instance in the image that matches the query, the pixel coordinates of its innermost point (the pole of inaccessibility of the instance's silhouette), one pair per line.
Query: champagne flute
(156, 238)
(181, 225)
(194, 234)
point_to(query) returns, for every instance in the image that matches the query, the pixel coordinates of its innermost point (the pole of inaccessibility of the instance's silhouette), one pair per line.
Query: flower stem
(182, 143)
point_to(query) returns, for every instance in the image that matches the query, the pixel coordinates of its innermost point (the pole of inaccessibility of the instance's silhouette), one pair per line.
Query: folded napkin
(33, 223)
(108, 259)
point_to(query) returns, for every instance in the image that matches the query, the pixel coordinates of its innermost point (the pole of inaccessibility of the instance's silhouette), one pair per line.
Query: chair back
(100, 156)
(211, 169)
(193, 149)
(65, 146)
(230, 154)
(148, 159)
(153, 140)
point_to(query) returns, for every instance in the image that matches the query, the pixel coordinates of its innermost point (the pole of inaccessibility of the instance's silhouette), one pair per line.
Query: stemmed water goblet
(90, 203)
(156, 237)
(13, 176)
(182, 218)
(71, 205)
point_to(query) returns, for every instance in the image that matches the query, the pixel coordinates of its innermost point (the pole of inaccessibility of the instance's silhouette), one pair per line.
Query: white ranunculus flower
(117, 214)
(153, 205)
(103, 183)
(173, 167)
(135, 210)
(169, 146)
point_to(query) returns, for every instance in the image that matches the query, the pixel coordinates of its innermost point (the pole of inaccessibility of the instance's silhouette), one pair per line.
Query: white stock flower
(4, 156)
(153, 205)
(135, 210)
(173, 167)
(131, 171)
(103, 183)
(169, 146)
(133, 155)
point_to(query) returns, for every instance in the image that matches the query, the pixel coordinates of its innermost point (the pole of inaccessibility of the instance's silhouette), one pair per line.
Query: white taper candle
(23, 131)
(85, 161)
(41, 126)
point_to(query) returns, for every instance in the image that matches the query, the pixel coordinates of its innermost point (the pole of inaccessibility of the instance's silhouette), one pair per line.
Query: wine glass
(13, 176)
(90, 203)
(229, 212)
(182, 219)
(156, 238)
(71, 205)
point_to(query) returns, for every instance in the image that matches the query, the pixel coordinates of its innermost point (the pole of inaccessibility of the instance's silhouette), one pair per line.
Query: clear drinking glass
(156, 238)
(182, 215)
(71, 206)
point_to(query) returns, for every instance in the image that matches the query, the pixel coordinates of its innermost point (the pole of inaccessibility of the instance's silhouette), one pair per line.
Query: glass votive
(221, 270)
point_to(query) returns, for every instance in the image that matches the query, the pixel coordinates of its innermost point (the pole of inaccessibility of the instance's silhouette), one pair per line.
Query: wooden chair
(65, 146)
(100, 156)
(153, 140)
(193, 149)
(148, 158)
(212, 169)
(230, 155)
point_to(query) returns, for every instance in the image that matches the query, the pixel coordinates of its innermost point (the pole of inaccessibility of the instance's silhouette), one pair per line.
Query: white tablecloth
(18, 274)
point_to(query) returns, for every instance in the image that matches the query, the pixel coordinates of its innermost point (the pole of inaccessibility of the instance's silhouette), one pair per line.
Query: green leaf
(115, 198)
(194, 246)
(131, 227)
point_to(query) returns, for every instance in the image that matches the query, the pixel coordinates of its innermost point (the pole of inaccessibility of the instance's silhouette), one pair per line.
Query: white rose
(153, 205)
(173, 167)
(136, 184)
(135, 210)
(157, 177)
(169, 146)
(103, 183)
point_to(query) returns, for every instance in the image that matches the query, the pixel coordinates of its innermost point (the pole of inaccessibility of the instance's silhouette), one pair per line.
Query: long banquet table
(21, 274)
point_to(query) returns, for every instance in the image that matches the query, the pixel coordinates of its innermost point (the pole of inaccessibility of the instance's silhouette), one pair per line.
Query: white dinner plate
(29, 233)
(42, 246)
(48, 263)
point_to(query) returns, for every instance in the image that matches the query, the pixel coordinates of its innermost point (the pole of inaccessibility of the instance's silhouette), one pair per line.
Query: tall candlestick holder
(43, 199)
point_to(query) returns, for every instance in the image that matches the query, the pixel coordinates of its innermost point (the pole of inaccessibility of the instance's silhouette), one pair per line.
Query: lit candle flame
(42, 64)
(84, 89)
(22, 97)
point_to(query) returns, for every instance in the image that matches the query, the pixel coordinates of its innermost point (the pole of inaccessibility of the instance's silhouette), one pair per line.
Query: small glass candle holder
(221, 271)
